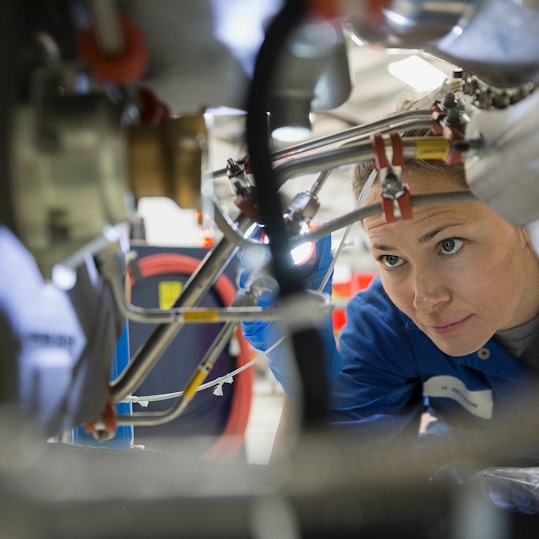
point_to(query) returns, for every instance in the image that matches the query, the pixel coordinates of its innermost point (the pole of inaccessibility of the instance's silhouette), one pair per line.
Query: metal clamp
(448, 123)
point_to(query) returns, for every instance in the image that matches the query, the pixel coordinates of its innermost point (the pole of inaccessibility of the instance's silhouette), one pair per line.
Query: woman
(451, 325)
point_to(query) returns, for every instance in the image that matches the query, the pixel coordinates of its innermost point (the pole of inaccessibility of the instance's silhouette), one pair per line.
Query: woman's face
(459, 271)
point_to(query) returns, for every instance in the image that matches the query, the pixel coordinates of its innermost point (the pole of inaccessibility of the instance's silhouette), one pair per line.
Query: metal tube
(345, 155)
(203, 315)
(148, 354)
(430, 148)
(64, 273)
(148, 419)
(319, 182)
(161, 337)
(455, 197)
(107, 29)
(402, 121)
(199, 374)
(358, 152)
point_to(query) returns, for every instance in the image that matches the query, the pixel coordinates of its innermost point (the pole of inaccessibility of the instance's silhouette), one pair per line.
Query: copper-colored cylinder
(167, 160)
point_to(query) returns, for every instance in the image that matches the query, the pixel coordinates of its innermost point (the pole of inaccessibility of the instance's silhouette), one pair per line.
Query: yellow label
(168, 293)
(431, 148)
(211, 315)
(194, 384)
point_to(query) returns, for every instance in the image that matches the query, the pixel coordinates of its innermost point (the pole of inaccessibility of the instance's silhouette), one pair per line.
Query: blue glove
(262, 334)
(318, 268)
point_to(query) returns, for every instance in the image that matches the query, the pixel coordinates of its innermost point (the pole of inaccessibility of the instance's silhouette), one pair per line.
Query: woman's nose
(430, 291)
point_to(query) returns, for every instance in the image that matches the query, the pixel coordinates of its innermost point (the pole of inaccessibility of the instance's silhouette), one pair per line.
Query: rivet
(483, 353)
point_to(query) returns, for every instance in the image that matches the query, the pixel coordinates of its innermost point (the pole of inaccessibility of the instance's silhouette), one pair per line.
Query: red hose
(230, 442)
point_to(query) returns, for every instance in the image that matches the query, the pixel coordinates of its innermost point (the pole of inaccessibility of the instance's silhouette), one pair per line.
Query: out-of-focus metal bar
(64, 274)
(106, 26)
(161, 337)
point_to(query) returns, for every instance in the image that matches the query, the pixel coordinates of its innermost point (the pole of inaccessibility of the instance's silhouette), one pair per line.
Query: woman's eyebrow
(382, 247)
(429, 235)
(422, 239)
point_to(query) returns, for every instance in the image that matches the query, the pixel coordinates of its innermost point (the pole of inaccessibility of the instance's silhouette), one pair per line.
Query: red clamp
(106, 428)
(245, 193)
(393, 190)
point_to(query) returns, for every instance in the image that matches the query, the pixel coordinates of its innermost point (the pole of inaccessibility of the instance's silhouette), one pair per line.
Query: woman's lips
(446, 329)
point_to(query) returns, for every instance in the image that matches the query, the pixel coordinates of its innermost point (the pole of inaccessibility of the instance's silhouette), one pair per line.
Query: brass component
(167, 160)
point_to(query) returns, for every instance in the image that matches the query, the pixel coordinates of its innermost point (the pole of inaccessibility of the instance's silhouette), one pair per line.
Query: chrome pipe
(107, 29)
(151, 350)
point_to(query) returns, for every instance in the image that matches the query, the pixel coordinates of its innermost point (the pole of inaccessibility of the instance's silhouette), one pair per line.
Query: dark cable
(306, 342)
(257, 140)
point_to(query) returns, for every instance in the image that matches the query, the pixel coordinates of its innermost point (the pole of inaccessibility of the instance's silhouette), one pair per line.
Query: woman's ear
(532, 233)
(531, 238)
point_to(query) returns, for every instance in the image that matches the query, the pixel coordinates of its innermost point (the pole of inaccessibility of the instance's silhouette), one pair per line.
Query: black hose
(257, 140)
(306, 342)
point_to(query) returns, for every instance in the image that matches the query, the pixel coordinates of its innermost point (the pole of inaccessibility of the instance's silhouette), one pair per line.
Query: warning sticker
(168, 293)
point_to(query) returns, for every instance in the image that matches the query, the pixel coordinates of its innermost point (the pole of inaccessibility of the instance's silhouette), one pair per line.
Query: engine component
(502, 164)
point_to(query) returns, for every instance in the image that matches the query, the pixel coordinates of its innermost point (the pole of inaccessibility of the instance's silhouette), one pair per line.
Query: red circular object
(230, 443)
(123, 69)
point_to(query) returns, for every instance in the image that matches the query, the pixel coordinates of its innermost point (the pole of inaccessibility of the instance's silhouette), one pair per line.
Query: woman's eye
(451, 246)
(392, 261)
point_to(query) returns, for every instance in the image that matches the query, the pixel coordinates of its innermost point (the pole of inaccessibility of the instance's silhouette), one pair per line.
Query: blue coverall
(391, 371)
(386, 372)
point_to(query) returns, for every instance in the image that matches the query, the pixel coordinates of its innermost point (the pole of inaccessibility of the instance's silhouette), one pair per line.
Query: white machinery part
(504, 169)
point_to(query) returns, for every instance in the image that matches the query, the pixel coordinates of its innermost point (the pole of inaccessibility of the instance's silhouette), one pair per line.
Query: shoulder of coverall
(374, 299)
(375, 321)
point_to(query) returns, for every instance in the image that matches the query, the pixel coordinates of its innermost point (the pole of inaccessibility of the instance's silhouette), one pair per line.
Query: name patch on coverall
(478, 403)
